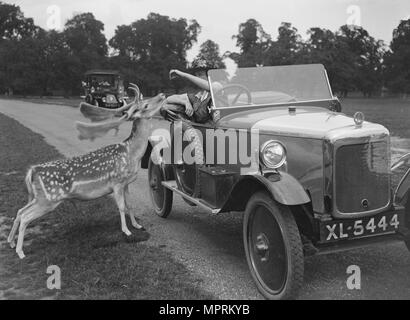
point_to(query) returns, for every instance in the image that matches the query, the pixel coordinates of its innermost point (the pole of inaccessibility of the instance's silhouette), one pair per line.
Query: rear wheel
(273, 248)
(161, 197)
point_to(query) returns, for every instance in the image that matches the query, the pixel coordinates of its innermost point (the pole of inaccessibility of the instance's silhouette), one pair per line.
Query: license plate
(360, 228)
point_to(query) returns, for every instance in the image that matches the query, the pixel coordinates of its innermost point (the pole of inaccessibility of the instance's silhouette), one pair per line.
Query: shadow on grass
(96, 260)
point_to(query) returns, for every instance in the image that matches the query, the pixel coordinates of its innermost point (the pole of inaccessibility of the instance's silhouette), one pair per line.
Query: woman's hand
(189, 110)
(174, 74)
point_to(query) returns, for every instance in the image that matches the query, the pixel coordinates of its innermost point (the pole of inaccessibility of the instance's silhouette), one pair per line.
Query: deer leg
(134, 222)
(120, 200)
(12, 235)
(28, 215)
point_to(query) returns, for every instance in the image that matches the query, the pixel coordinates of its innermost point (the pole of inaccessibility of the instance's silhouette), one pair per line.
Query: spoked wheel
(161, 197)
(273, 248)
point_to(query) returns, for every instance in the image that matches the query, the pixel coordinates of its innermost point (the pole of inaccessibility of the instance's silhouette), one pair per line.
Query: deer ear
(92, 131)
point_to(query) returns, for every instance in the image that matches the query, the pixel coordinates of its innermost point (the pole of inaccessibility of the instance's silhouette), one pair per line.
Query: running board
(172, 185)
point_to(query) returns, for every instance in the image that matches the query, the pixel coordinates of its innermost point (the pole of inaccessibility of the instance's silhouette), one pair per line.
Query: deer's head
(145, 109)
(136, 110)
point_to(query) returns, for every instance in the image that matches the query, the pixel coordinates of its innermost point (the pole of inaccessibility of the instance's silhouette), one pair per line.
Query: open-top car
(104, 88)
(309, 179)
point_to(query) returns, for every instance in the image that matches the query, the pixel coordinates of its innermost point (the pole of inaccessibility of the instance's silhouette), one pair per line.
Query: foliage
(208, 57)
(152, 47)
(252, 42)
(397, 60)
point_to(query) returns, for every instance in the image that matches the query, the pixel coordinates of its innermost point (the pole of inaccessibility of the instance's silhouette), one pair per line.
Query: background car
(104, 88)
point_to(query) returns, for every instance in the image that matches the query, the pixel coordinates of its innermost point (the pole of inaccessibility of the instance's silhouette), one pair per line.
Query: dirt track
(211, 246)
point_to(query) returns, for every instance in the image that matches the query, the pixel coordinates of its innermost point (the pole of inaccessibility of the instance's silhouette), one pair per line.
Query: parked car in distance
(317, 181)
(104, 88)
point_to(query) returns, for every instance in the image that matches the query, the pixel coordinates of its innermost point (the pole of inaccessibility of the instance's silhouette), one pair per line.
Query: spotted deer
(106, 171)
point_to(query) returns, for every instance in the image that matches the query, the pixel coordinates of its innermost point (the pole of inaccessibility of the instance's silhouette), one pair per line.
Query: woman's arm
(199, 82)
(182, 99)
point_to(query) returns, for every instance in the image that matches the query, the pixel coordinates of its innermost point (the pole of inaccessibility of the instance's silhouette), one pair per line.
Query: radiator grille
(362, 177)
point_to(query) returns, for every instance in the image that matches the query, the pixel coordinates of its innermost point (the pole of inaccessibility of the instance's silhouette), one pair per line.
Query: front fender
(402, 189)
(284, 188)
(402, 196)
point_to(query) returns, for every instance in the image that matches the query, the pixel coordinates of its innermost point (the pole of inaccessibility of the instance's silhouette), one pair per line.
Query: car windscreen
(269, 85)
(102, 81)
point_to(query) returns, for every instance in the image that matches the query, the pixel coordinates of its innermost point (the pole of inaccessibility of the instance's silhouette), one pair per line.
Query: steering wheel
(222, 98)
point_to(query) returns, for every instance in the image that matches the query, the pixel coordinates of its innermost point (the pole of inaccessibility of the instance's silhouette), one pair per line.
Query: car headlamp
(273, 154)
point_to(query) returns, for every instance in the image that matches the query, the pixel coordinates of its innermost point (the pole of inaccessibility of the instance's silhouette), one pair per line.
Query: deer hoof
(21, 254)
(137, 226)
(12, 244)
(127, 232)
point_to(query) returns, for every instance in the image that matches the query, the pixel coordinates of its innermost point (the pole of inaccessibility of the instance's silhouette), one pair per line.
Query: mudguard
(402, 189)
(284, 188)
(402, 196)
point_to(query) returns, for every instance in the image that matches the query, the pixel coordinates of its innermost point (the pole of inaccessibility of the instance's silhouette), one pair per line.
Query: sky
(220, 19)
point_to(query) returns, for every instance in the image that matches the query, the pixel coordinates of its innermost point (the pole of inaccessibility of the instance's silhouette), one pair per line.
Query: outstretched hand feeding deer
(106, 171)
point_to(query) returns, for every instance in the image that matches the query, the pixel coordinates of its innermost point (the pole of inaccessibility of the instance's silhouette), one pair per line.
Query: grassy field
(96, 260)
(392, 113)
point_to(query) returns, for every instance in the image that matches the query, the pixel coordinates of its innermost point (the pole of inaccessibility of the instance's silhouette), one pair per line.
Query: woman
(192, 106)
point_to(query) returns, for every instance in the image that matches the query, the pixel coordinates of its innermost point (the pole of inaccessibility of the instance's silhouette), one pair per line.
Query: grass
(394, 114)
(97, 261)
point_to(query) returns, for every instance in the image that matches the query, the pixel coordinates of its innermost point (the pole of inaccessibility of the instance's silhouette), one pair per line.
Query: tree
(52, 61)
(397, 61)
(363, 56)
(153, 46)
(209, 56)
(16, 49)
(253, 42)
(88, 47)
(286, 49)
(13, 24)
(325, 47)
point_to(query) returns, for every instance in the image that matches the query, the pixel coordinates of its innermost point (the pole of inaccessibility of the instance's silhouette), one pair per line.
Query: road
(211, 246)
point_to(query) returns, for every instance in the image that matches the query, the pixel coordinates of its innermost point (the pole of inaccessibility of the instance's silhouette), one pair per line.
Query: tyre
(407, 222)
(273, 248)
(161, 197)
(407, 242)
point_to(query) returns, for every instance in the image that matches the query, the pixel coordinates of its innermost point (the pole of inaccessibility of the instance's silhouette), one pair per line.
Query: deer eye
(146, 106)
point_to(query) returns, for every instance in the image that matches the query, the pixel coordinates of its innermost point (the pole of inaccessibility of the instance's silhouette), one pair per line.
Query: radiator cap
(358, 118)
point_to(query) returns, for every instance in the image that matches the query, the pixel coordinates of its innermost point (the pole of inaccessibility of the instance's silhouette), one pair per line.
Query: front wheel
(161, 197)
(273, 248)
(407, 242)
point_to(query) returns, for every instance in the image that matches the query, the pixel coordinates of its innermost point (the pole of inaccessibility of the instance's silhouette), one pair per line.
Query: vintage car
(104, 88)
(308, 179)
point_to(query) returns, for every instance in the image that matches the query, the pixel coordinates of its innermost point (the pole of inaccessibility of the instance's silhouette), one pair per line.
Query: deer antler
(97, 114)
(91, 131)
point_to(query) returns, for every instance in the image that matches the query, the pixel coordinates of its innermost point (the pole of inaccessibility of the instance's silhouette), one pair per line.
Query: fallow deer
(108, 170)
